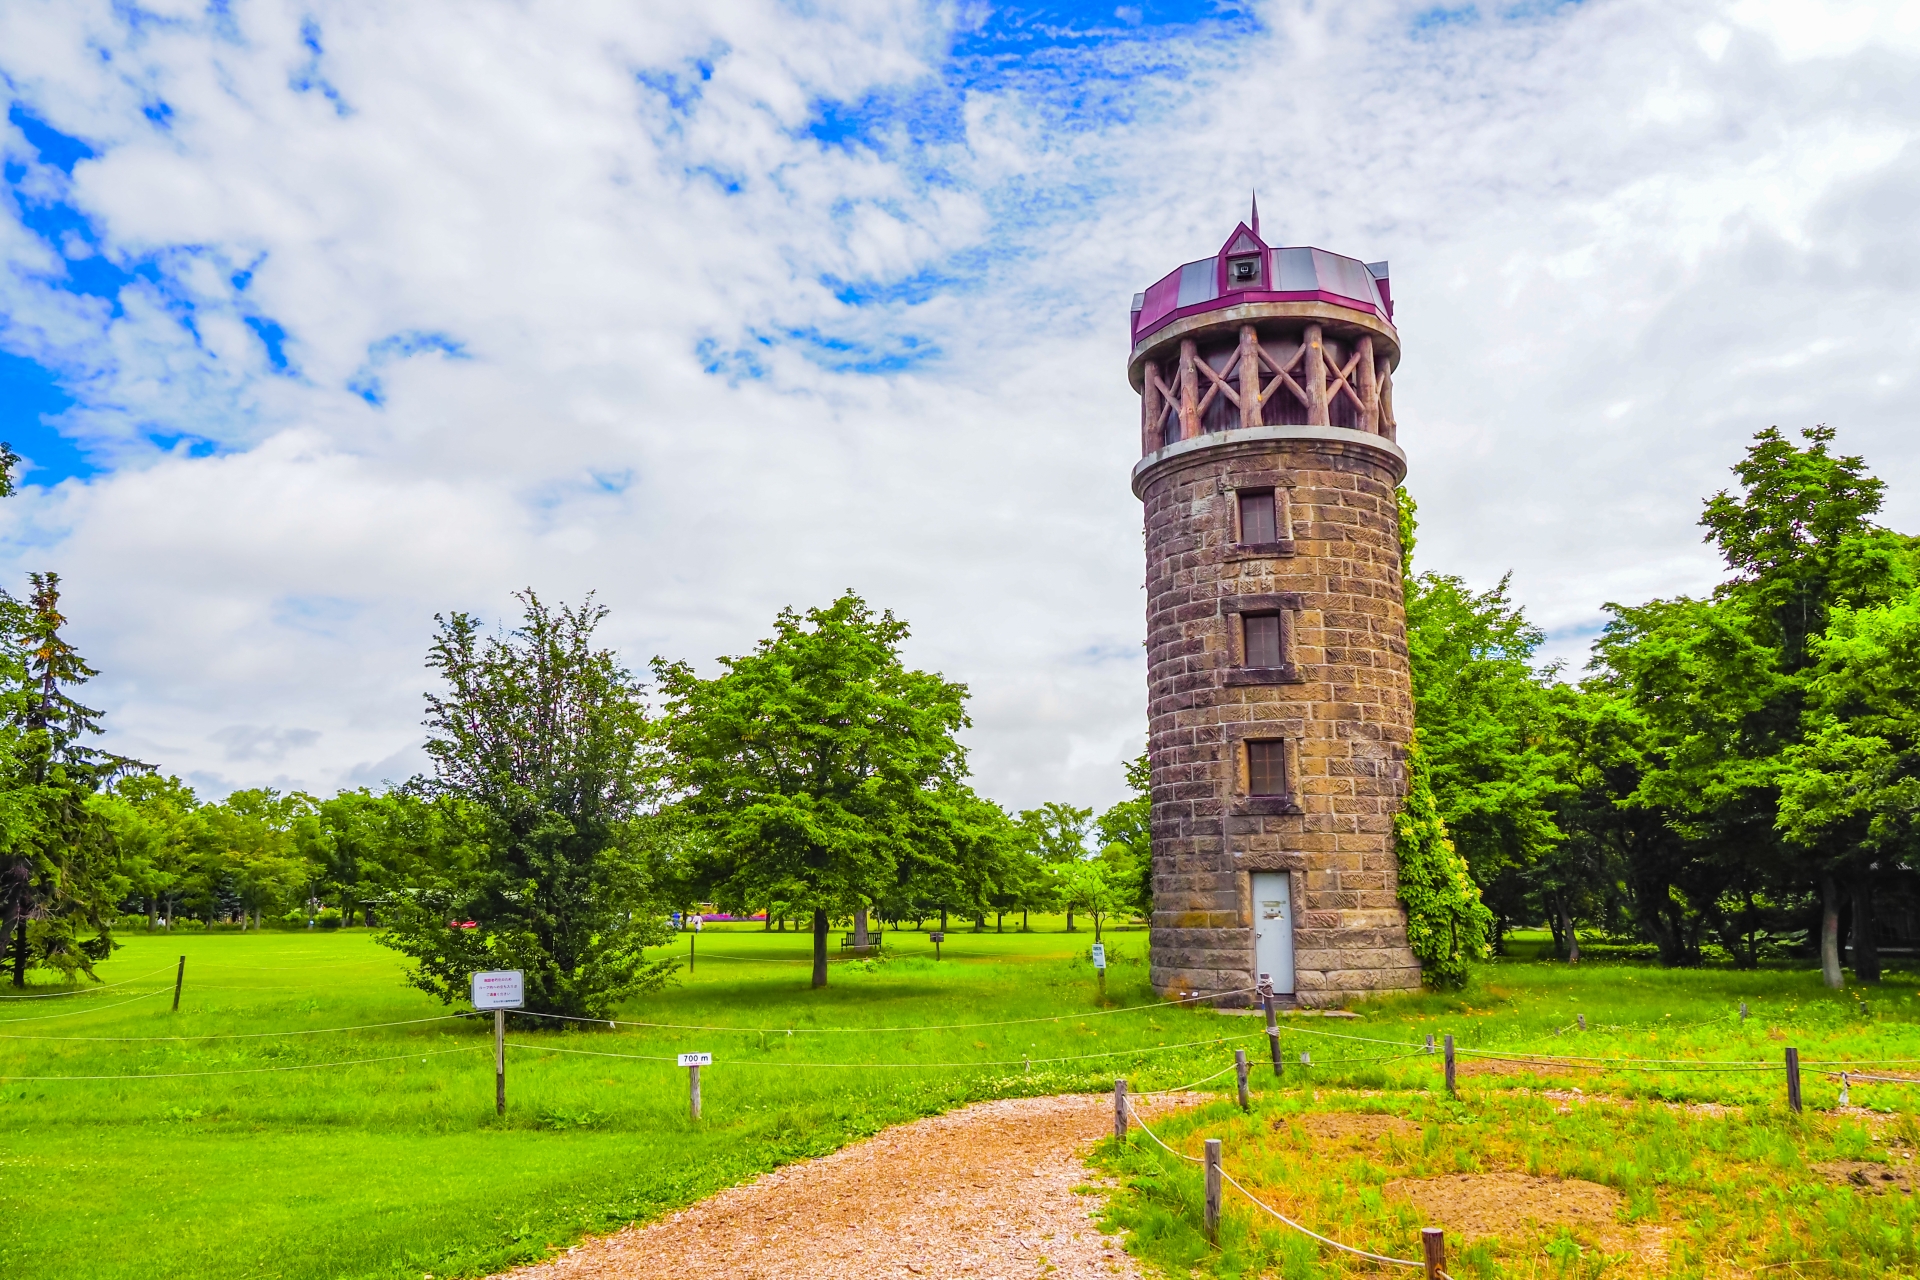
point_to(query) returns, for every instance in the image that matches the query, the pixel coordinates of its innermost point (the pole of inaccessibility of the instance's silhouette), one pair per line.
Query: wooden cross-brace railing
(1244, 383)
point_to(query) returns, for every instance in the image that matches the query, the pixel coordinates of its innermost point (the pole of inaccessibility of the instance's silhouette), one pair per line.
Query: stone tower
(1279, 708)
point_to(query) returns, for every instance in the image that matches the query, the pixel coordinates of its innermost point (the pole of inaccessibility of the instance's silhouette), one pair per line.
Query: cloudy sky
(319, 319)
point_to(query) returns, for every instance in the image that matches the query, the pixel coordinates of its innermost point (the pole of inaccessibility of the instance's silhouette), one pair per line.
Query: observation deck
(1260, 342)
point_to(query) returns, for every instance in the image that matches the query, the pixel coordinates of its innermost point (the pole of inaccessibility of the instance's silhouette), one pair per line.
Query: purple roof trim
(1235, 299)
(1334, 278)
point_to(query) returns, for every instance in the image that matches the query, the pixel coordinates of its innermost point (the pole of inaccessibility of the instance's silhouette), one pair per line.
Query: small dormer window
(1243, 273)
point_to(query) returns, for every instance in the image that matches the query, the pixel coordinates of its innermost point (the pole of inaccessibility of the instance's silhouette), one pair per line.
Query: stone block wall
(1346, 713)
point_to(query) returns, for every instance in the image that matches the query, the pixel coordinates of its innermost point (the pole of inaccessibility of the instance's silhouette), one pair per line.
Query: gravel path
(983, 1192)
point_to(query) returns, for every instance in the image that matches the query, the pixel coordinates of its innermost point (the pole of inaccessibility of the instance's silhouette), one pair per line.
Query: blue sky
(316, 320)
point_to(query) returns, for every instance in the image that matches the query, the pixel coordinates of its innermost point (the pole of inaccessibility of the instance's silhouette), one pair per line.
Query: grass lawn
(1669, 1109)
(291, 1165)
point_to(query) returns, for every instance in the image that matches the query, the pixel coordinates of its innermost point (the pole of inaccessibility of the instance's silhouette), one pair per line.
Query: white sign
(1099, 955)
(696, 1059)
(499, 989)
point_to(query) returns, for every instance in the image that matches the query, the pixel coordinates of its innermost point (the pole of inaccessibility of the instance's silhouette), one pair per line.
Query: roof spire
(1256, 213)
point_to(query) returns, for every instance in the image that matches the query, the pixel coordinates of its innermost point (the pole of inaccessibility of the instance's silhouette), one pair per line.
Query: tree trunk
(943, 919)
(1866, 947)
(819, 948)
(1573, 939)
(999, 922)
(1023, 920)
(980, 922)
(1096, 926)
(1069, 919)
(860, 927)
(20, 952)
(766, 925)
(1830, 933)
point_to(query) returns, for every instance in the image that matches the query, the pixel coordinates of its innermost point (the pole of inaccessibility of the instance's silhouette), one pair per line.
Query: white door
(1273, 928)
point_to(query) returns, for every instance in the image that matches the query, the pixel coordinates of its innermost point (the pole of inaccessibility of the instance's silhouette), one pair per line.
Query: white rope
(240, 1035)
(98, 1008)
(951, 1026)
(1308, 1231)
(83, 991)
(248, 1071)
(856, 1066)
(1182, 1088)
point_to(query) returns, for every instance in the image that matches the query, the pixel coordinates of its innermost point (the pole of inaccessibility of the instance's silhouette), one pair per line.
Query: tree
(543, 743)
(809, 763)
(1058, 833)
(61, 885)
(1486, 729)
(1125, 834)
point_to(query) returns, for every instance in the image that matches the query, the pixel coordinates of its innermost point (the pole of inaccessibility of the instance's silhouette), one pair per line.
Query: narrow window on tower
(1257, 523)
(1267, 768)
(1263, 639)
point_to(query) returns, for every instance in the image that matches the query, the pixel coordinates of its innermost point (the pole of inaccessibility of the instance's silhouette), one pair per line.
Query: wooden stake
(1743, 1011)
(179, 976)
(1240, 1071)
(693, 1091)
(499, 1062)
(1429, 1042)
(1120, 1109)
(1581, 1018)
(1273, 1026)
(1369, 388)
(693, 937)
(1793, 1079)
(1151, 410)
(1316, 378)
(1249, 376)
(1451, 1091)
(1213, 1191)
(1433, 1243)
(1189, 390)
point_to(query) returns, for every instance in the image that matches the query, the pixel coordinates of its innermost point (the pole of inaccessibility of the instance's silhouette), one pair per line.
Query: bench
(872, 948)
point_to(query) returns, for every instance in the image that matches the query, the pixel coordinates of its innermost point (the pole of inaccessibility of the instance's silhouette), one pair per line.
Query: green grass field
(217, 1142)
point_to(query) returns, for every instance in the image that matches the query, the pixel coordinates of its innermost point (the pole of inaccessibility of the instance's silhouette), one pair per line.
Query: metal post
(1433, 1243)
(1581, 1018)
(1793, 1080)
(179, 976)
(1240, 1070)
(1120, 1109)
(1273, 1026)
(693, 1091)
(1213, 1191)
(500, 1062)
(1743, 1011)
(1451, 1091)
(693, 937)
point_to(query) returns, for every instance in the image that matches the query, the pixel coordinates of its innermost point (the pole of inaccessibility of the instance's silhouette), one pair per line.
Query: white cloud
(590, 252)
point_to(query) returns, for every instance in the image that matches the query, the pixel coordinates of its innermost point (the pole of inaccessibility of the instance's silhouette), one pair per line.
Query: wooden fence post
(500, 1062)
(1273, 1026)
(1433, 1243)
(1452, 1092)
(1120, 1110)
(179, 976)
(1793, 1079)
(693, 1091)
(1213, 1191)
(1581, 1018)
(1240, 1070)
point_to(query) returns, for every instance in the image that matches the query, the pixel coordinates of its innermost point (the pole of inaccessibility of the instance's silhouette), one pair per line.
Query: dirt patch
(1517, 1208)
(1350, 1126)
(1867, 1176)
(986, 1191)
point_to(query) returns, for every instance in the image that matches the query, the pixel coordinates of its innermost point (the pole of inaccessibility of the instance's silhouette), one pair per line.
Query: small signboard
(936, 937)
(696, 1059)
(1099, 955)
(499, 989)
